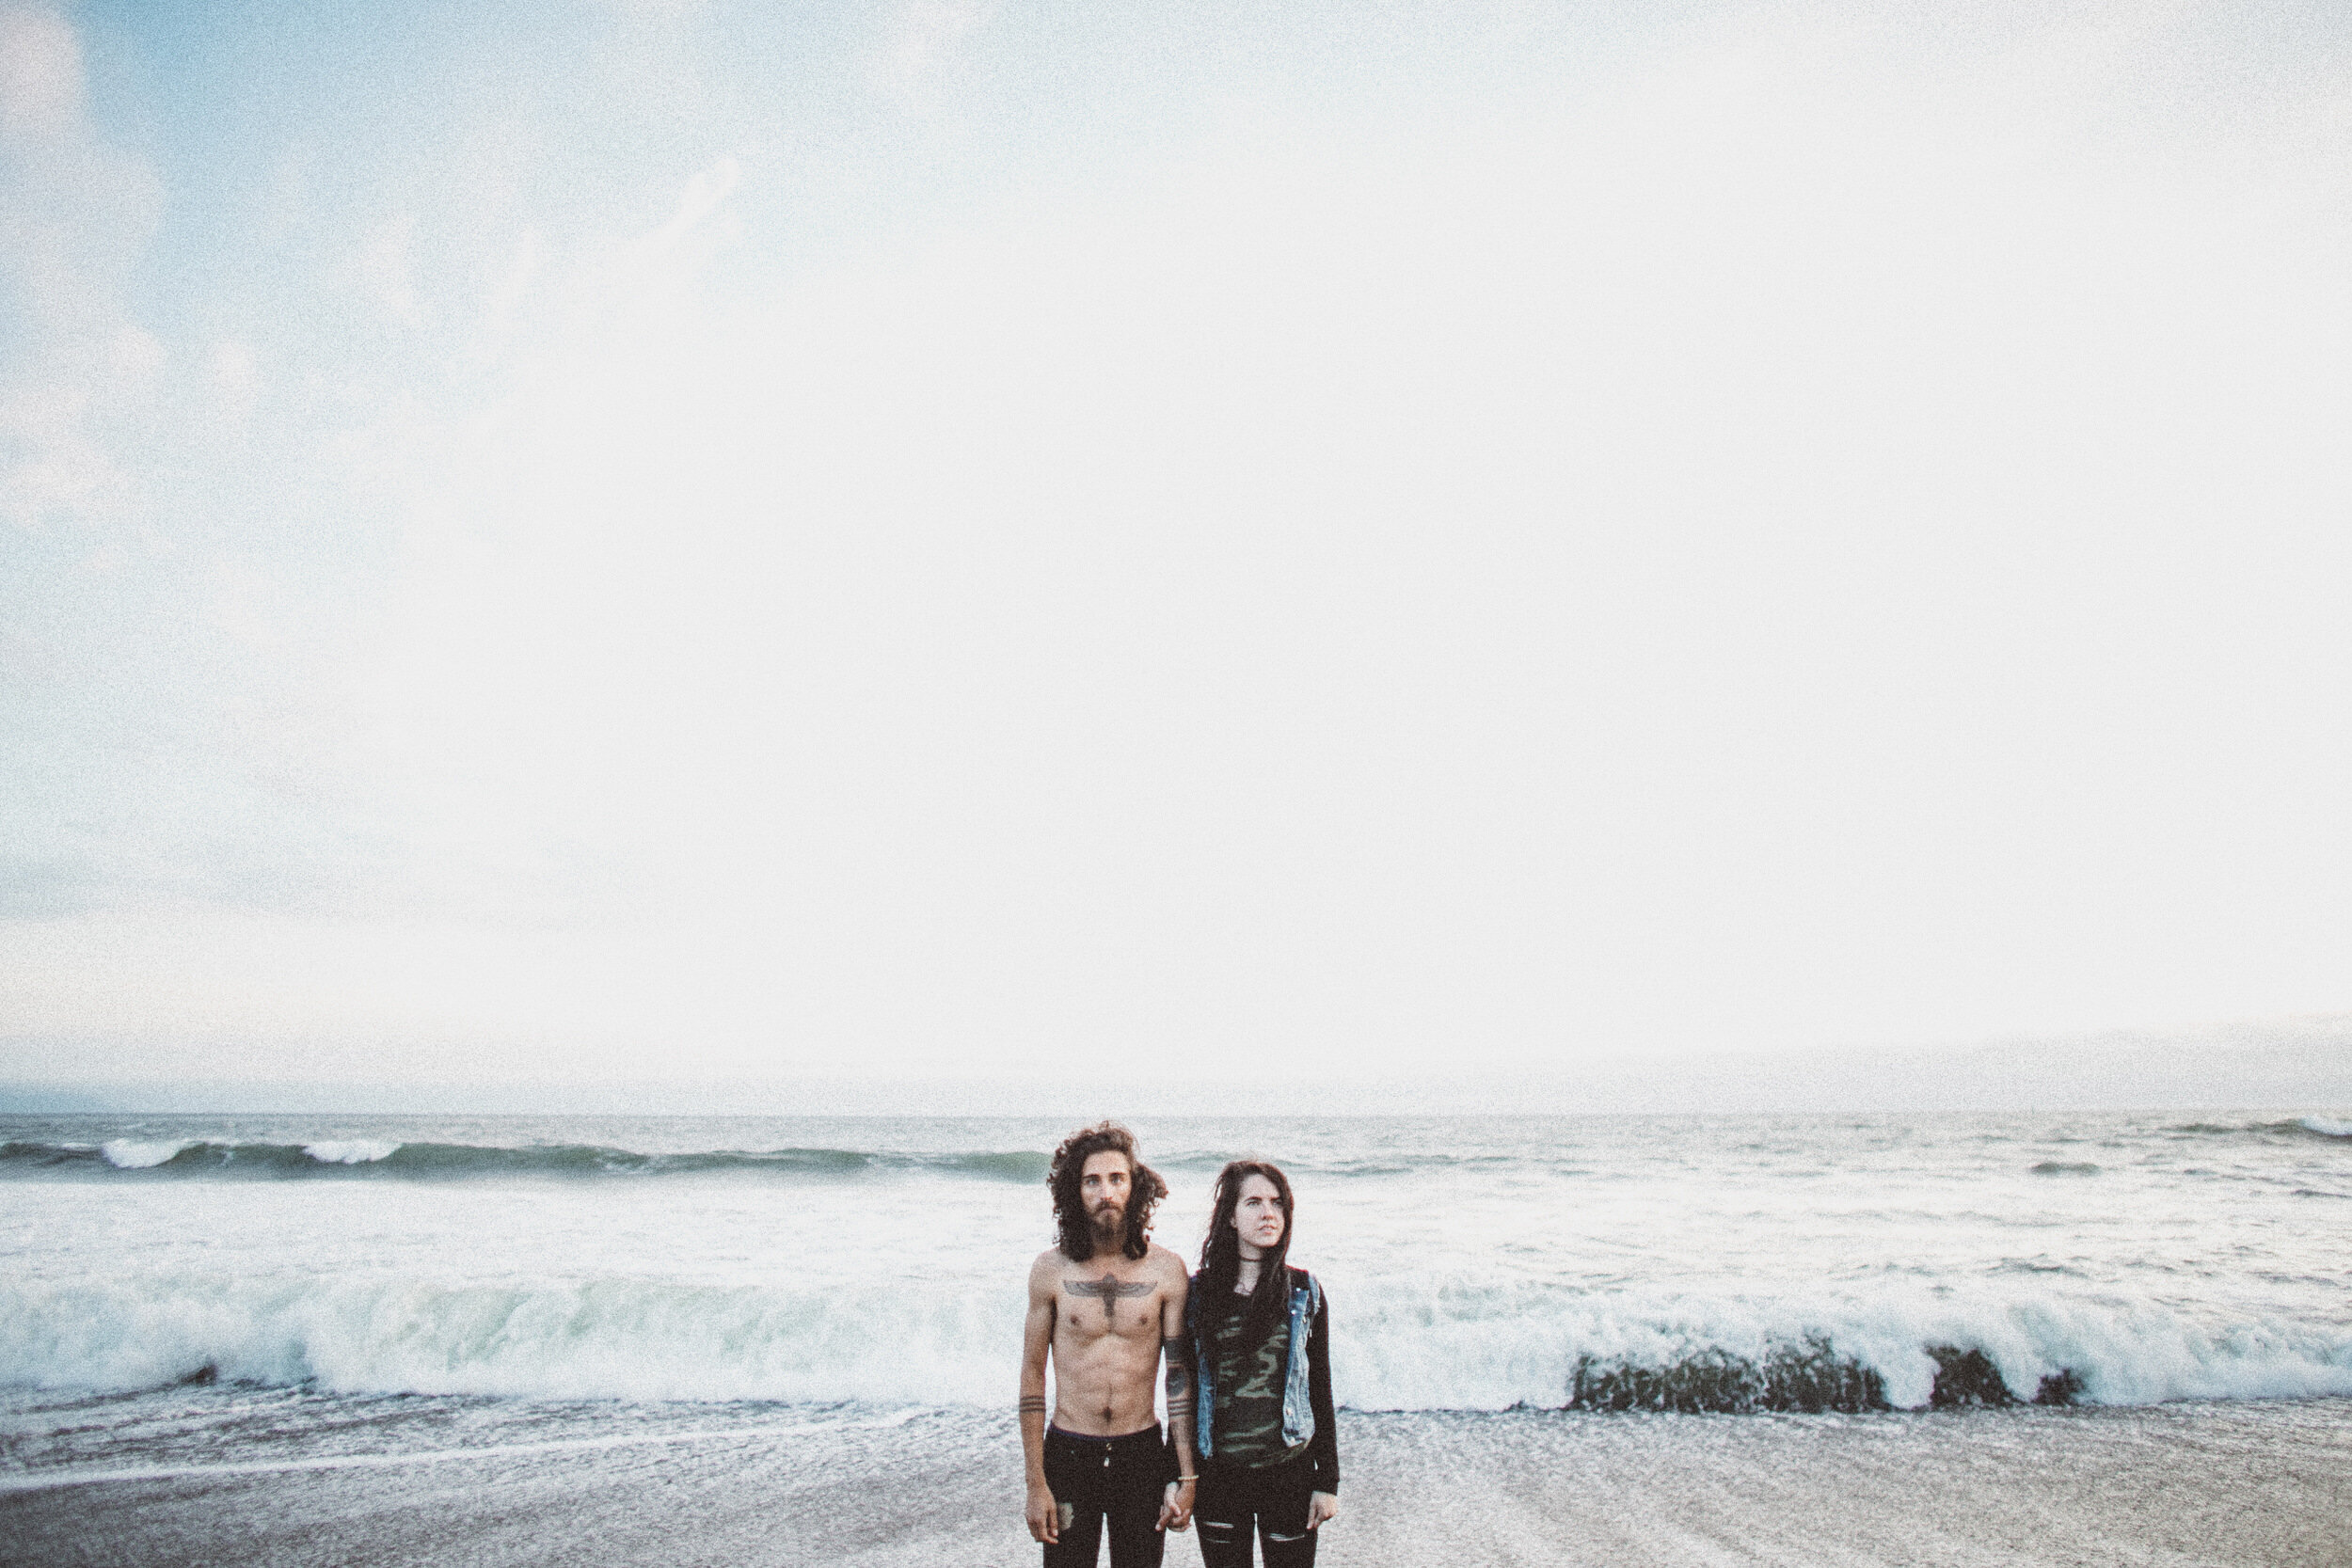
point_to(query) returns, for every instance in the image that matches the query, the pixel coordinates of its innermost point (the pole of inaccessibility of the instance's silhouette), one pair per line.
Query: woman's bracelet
(1186, 1480)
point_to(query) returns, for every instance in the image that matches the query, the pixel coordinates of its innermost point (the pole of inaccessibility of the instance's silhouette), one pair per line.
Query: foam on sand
(615, 1486)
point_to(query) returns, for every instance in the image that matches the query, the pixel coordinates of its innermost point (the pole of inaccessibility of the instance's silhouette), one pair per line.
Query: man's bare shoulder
(1166, 1265)
(1045, 1274)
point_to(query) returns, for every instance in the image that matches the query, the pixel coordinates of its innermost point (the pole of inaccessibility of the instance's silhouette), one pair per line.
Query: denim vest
(1299, 1414)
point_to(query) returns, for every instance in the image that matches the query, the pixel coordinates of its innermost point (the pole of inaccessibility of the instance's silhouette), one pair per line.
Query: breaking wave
(1902, 1347)
(362, 1158)
(1400, 1344)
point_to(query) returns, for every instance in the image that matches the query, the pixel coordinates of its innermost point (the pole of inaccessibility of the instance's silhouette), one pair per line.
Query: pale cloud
(236, 378)
(660, 12)
(80, 213)
(241, 606)
(677, 249)
(923, 33)
(384, 269)
(52, 469)
(503, 303)
(41, 73)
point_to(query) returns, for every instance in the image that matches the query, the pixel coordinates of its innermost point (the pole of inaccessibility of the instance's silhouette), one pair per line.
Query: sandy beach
(2241, 1486)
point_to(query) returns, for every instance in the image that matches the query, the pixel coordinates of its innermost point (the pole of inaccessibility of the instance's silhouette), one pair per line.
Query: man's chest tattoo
(1110, 1288)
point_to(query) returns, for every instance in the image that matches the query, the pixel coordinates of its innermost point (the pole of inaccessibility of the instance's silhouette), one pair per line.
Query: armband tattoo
(1179, 1389)
(1032, 1404)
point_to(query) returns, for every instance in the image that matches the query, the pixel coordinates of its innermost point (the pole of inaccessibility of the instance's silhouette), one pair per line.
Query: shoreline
(2245, 1484)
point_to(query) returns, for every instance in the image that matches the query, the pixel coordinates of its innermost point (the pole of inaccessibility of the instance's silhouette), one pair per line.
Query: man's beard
(1109, 1221)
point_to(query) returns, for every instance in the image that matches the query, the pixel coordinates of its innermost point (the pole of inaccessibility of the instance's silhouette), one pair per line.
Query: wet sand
(2240, 1485)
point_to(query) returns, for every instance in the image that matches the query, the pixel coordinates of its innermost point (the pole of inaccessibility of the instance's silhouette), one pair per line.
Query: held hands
(1044, 1517)
(1321, 1508)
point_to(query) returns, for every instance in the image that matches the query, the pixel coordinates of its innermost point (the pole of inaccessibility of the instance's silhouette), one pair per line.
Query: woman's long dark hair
(1220, 1250)
(1073, 1231)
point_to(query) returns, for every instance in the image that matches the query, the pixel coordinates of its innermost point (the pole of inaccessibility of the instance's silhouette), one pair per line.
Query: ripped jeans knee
(1228, 1516)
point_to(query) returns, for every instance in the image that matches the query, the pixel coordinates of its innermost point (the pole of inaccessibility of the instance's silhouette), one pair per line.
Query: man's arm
(1036, 1337)
(1176, 1512)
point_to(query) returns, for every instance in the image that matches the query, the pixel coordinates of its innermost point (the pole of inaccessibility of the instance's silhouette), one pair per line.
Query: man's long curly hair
(1075, 1231)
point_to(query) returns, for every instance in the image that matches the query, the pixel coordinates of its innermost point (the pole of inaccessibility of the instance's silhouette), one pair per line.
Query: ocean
(181, 1296)
(1717, 1263)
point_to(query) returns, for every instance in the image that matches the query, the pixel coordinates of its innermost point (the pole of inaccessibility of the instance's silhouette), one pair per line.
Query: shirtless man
(1106, 1302)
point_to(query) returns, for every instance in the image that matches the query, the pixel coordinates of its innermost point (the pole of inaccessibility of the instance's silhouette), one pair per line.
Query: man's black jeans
(1116, 1480)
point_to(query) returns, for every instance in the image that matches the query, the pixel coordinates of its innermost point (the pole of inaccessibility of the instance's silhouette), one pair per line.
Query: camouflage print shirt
(1248, 1386)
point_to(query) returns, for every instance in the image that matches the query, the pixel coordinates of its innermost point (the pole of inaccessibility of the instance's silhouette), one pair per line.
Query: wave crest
(2294, 1127)
(365, 1158)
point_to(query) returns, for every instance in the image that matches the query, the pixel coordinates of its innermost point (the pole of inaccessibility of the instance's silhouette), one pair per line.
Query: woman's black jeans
(1235, 1500)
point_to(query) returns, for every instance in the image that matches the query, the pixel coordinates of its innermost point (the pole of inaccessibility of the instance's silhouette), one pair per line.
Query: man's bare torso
(1110, 1314)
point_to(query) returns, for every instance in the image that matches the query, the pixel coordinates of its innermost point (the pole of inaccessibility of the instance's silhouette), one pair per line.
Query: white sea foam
(136, 1154)
(615, 1339)
(351, 1151)
(1427, 1345)
(1441, 1346)
(2329, 1126)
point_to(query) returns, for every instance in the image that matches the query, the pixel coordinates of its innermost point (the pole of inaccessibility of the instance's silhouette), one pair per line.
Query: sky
(662, 540)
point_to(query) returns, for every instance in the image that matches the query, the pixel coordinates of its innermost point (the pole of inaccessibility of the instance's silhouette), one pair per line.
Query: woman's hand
(1321, 1508)
(1176, 1506)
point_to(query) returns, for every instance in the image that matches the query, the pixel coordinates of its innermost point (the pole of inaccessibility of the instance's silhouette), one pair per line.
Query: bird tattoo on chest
(1108, 1288)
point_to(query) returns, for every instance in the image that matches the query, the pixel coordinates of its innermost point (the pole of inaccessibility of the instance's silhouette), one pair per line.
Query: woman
(1261, 1335)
